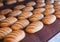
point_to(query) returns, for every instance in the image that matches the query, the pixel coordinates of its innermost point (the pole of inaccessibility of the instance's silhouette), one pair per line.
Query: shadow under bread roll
(20, 24)
(8, 21)
(34, 27)
(4, 31)
(15, 36)
(2, 17)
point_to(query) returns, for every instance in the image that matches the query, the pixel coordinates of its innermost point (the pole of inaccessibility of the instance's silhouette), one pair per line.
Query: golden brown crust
(36, 17)
(32, 3)
(15, 12)
(2, 17)
(8, 21)
(25, 15)
(11, 2)
(49, 19)
(38, 10)
(28, 8)
(20, 24)
(4, 31)
(15, 36)
(40, 4)
(57, 14)
(19, 6)
(6, 11)
(34, 27)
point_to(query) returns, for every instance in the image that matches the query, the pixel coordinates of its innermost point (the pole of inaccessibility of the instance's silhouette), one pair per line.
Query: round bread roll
(32, 3)
(6, 11)
(38, 10)
(2, 17)
(10, 2)
(25, 15)
(28, 8)
(19, 7)
(49, 11)
(36, 17)
(49, 19)
(15, 12)
(40, 4)
(15, 36)
(20, 24)
(8, 21)
(4, 32)
(34, 27)
(57, 14)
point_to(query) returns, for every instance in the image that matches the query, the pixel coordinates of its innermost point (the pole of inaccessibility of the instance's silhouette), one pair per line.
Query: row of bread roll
(57, 9)
(49, 9)
(57, 6)
(8, 35)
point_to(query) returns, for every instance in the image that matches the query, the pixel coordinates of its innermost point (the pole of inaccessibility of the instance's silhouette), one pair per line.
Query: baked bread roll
(56, 3)
(32, 3)
(15, 36)
(11, 2)
(57, 8)
(49, 11)
(6, 11)
(8, 21)
(20, 24)
(57, 14)
(19, 6)
(28, 8)
(49, 19)
(49, 1)
(49, 6)
(25, 15)
(2, 17)
(4, 32)
(20, 0)
(15, 12)
(36, 17)
(40, 0)
(40, 4)
(34, 27)
(38, 10)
